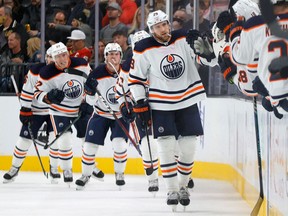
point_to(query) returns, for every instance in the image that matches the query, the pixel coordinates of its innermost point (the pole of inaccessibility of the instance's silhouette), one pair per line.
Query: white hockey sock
(187, 147)
(146, 156)
(168, 164)
(65, 151)
(120, 154)
(53, 152)
(88, 157)
(20, 151)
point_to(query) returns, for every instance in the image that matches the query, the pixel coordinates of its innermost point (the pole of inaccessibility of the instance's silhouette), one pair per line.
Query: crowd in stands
(20, 26)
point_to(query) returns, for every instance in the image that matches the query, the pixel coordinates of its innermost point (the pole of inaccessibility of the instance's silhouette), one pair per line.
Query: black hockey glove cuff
(127, 113)
(25, 115)
(142, 111)
(259, 87)
(228, 69)
(90, 86)
(55, 96)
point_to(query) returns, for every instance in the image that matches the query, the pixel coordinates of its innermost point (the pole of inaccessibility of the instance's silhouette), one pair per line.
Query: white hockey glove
(203, 48)
(246, 8)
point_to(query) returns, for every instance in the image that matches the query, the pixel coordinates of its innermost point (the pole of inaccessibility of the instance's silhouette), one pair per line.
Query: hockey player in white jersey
(104, 79)
(247, 43)
(166, 63)
(36, 114)
(123, 97)
(63, 92)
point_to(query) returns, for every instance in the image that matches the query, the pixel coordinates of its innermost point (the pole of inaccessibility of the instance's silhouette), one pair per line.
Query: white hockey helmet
(246, 8)
(49, 51)
(220, 46)
(278, 1)
(139, 35)
(155, 18)
(57, 49)
(112, 47)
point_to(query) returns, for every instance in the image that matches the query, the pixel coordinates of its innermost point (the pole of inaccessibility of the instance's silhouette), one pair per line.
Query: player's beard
(163, 38)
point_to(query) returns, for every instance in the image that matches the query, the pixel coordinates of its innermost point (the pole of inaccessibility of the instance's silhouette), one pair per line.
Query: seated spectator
(136, 23)
(78, 45)
(101, 47)
(120, 37)
(9, 25)
(33, 49)
(53, 36)
(17, 9)
(32, 16)
(114, 11)
(128, 8)
(179, 18)
(88, 8)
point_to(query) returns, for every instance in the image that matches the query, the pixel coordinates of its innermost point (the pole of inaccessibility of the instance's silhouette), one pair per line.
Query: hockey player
(37, 114)
(104, 79)
(63, 92)
(254, 33)
(165, 63)
(128, 115)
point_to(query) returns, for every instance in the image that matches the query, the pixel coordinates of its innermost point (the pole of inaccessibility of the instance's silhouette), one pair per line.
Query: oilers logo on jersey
(72, 89)
(110, 96)
(172, 66)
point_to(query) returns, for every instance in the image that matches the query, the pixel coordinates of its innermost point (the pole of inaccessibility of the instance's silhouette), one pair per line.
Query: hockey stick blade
(257, 207)
(76, 72)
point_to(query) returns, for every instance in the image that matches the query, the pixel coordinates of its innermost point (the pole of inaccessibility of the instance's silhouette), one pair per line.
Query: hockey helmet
(112, 47)
(49, 51)
(57, 49)
(138, 36)
(246, 8)
(278, 1)
(220, 46)
(155, 18)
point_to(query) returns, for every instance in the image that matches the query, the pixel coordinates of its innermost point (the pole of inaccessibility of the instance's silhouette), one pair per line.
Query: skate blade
(6, 181)
(53, 181)
(99, 179)
(80, 188)
(153, 193)
(174, 208)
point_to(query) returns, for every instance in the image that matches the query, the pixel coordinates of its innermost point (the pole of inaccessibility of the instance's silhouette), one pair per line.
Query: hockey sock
(20, 151)
(53, 153)
(120, 154)
(88, 157)
(65, 151)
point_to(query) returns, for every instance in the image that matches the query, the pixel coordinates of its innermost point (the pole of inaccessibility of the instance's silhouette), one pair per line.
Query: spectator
(88, 8)
(53, 36)
(32, 16)
(128, 8)
(33, 49)
(17, 9)
(179, 4)
(78, 45)
(9, 25)
(179, 18)
(114, 11)
(101, 47)
(136, 23)
(120, 37)
(204, 4)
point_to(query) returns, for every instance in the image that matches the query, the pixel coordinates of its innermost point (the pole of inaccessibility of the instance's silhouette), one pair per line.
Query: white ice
(33, 195)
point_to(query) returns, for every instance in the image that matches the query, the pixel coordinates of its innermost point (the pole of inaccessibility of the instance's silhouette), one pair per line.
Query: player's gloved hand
(267, 104)
(127, 113)
(236, 28)
(225, 21)
(279, 65)
(142, 111)
(191, 36)
(259, 87)
(85, 109)
(25, 115)
(276, 113)
(54, 96)
(90, 86)
(228, 69)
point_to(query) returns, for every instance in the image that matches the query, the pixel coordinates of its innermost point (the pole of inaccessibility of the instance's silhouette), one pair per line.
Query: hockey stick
(38, 155)
(257, 207)
(29, 127)
(62, 132)
(266, 8)
(150, 169)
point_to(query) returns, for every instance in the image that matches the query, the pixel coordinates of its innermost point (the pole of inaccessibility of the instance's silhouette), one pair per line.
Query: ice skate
(11, 175)
(98, 174)
(120, 179)
(153, 186)
(172, 199)
(54, 175)
(190, 183)
(184, 197)
(81, 182)
(68, 176)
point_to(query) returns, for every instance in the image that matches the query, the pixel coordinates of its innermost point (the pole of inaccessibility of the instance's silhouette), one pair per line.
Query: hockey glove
(228, 69)
(225, 21)
(127, 114)
(90, 86)
(276, 113)
(259, 87)
(55, 96)
(142, 111)
(85, 109)
(267, 104)
(192, 35)
(279, 65)
(236, 29)
(25, 115)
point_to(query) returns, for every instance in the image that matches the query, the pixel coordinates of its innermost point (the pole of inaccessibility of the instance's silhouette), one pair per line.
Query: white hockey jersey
(170, 72)
(72, 85)
(27, 94)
